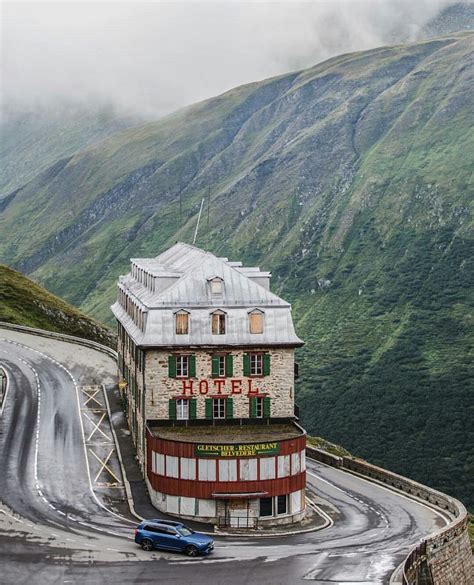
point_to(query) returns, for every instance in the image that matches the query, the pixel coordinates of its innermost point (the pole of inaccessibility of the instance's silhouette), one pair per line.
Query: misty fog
(154, 57)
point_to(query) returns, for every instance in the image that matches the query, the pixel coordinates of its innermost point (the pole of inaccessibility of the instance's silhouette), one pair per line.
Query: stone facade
(149, 387)
(278, 385)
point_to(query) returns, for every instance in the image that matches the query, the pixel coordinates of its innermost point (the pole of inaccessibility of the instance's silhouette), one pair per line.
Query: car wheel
(147, 544)
(191, 551)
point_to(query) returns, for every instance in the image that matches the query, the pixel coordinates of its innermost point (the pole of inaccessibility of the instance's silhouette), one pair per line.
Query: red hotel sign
(219, 386)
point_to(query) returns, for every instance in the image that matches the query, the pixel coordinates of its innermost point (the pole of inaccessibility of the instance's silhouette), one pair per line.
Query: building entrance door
(240, 514)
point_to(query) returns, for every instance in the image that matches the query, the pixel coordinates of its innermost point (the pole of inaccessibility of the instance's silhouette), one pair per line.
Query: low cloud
(152, 58)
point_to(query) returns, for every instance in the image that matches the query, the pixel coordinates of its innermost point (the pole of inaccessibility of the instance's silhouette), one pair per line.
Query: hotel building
(207, 351)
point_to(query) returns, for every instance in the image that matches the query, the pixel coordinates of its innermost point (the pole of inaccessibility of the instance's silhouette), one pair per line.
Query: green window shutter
(192, 408)
(172, 366)
(192, 366)
(229, 365)
(215, 366)
(253, 408)
(229, 408)
(266, 364)
(246, 364)
(266, 407)
(209, 408)
(172, 409)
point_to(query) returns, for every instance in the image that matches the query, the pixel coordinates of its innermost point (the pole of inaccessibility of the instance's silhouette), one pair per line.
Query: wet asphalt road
(55, 529)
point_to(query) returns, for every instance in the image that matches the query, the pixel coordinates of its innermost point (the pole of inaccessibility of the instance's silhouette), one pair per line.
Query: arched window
(182, 322)
(256, 321)
(218, 323)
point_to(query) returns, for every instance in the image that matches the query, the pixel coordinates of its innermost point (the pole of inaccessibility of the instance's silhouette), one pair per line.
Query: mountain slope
(23, 302)
(34, 141)
(457, 17)
(352, 181)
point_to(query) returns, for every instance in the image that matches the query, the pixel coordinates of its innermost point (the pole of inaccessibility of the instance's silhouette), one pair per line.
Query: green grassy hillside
(23, 302)
(352, 182)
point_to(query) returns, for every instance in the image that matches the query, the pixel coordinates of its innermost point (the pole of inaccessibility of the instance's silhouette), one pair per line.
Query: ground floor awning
(238, 496)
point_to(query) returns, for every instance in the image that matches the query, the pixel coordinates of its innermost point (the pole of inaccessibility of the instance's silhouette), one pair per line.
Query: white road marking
(4, 368)
(398, 493)
(383, 517)
(82, 430)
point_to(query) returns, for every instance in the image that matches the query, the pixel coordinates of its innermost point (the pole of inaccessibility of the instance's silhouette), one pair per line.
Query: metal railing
(247, 522)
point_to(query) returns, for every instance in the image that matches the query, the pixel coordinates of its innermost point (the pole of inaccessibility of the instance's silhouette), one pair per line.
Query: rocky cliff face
(351, 181)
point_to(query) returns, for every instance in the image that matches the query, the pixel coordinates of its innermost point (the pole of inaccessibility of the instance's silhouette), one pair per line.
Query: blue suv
(168, 535)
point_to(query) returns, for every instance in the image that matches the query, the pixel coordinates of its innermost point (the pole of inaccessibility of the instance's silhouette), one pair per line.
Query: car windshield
(185, 531)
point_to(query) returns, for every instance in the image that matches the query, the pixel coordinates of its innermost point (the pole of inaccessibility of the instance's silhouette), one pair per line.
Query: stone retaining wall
(444, 555)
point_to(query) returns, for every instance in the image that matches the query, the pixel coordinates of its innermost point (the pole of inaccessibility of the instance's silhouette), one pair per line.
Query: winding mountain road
(55, 529)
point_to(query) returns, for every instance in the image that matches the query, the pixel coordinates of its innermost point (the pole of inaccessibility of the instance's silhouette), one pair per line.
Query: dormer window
(217, 286)
(218, 323)
(182, 322)
(256, 321)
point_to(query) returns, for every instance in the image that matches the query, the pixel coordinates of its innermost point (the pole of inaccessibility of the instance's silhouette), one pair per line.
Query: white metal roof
(181, 281)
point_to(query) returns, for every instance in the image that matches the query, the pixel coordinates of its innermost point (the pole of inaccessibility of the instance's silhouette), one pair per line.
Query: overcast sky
(154, 57)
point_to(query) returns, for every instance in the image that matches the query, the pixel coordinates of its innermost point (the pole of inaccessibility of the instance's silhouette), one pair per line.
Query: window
(160, 464)
(182, 323)
(266, 506)
(259, 407)
(248, 469)
(256, 364)
(216, 286)
(172, 469)
(188, 468)
(283, 465)
(218, 323)
(274, 506)
(282, 504)
(207, 469)
(218, 408)
(256, 321)
(295, 463)
(153, 529)
(222, 365)
(182, 409)
(227, 470)
(267, 468)
(182, 366)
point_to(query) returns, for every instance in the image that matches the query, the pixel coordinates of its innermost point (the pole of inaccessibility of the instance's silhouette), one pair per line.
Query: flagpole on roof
(197, 224)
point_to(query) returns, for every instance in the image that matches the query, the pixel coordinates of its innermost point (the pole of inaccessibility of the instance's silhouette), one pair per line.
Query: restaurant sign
(237, 450)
